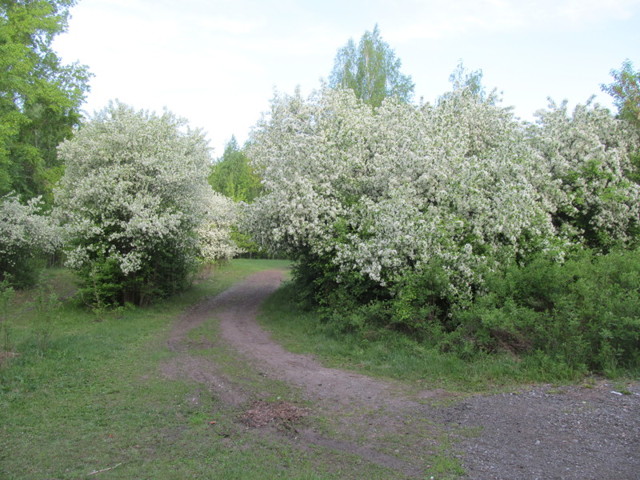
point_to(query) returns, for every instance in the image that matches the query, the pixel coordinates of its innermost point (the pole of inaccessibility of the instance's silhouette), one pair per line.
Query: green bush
(423, 302)
(22, 273)
(585, 312)
(574, 317)
(102, 283)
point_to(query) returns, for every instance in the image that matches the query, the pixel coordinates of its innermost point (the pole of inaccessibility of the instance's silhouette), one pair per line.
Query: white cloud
(444, 19)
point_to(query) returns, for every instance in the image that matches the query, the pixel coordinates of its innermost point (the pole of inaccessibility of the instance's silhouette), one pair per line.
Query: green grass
(84, 395)
(391, 354)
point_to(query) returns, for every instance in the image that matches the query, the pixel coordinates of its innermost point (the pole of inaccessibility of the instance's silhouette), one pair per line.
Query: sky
(218, 63)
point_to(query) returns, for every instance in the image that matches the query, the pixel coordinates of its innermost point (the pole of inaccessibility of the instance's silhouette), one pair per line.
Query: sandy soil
(539, 432)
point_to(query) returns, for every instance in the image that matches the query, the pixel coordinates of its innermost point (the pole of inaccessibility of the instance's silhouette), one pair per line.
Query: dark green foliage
(314, 281)
(625, 91)
(346, 303)
(24, 273)
(580, 316)
(103, 284)
(41, 98)
(233, 175)
(320, 284)
(371, 70)
(585, 313)
(422, 302)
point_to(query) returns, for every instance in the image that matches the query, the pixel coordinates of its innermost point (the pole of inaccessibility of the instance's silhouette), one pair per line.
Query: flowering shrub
(386, 191)
(402, 212)
(133, 197)
(25, 234)
(214, 233)
(589, 157)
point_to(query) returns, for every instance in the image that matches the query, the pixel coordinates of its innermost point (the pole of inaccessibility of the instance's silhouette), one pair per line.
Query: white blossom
(25, 230)
(134, 183)
(588, 154)
(214, 232)
(462, 182)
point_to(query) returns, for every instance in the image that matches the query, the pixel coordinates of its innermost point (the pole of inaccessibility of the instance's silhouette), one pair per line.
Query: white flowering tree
(214, 233)
(133, 198)
(379, 193)
(25, 234)
(589, 156)
(375, 196)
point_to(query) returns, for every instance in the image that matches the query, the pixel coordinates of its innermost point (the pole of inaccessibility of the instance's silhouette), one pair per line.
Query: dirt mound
(280, 414)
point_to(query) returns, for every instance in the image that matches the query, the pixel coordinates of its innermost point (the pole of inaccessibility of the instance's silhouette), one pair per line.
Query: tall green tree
(40, 97)
(233, 175)
(625, 91)
(371, 70)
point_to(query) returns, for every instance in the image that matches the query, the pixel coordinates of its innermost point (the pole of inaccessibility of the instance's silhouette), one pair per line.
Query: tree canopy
(407, 216)
(379, 193)
(371, 70)
(625, 91)
(40, 97)
(233, 176)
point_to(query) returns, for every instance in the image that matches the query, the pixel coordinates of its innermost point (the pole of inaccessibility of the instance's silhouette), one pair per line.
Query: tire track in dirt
(239, 328)
(332, 392)
(539, 432)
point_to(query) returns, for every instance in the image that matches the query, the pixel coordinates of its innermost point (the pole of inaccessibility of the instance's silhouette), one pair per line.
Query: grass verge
(391, 354)
(82, 397)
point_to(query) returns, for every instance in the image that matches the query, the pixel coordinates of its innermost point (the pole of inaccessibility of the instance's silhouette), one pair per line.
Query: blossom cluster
(463, 182)
(214, 232)
(135, 193)
(25, 231)
(588, 154)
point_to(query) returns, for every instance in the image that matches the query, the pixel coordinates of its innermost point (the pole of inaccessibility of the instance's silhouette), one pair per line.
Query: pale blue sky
(217, 62)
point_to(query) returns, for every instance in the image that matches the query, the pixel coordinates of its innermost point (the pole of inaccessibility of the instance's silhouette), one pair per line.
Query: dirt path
(545, 433)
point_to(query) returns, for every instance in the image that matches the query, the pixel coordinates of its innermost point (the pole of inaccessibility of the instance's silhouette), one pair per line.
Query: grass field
(82, 396)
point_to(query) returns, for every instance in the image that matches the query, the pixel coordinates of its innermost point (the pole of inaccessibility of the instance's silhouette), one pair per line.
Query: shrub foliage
(26, 233)
(585, 313)
(133, 198)
(402, 214)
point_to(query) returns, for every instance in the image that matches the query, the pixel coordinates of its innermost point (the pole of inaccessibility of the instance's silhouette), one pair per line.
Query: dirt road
(542, 432)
